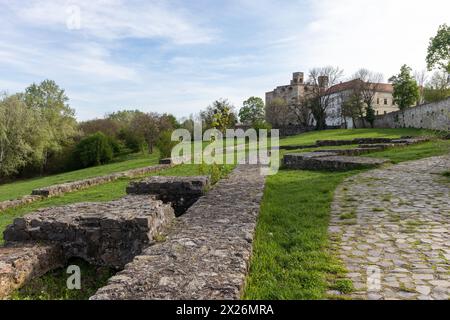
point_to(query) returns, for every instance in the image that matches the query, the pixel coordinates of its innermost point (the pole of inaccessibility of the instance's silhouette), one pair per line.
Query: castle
(383, 101)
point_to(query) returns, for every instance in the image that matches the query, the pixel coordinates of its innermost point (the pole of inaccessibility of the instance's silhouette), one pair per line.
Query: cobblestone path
(391, 228)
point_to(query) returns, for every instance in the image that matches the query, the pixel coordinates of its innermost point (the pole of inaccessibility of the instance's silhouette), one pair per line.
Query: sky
(179, 56)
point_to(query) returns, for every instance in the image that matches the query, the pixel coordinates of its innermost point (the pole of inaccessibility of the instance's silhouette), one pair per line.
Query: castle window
(378, 100)
(385, 101)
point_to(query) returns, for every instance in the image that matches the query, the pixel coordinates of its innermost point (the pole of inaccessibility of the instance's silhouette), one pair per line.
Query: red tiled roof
(348, 85)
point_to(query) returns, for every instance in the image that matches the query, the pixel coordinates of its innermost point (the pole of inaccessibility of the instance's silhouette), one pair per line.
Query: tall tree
(56, 117)
(421, 79)
(252, 111)
(219, 115)
(320, 80)
(21, 135)
(406, 91)
(439, 50)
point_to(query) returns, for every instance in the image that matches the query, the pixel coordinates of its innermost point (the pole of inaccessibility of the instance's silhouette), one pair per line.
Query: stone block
(180, 192)
(106, 234)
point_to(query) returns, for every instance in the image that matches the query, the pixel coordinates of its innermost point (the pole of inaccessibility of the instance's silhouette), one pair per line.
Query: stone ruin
(181, 192)
(102, 233)
(345, 159)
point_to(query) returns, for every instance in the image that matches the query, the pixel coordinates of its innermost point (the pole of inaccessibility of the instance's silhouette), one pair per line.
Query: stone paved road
(391, 228)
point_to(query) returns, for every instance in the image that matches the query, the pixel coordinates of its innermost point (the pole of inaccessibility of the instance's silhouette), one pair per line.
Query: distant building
(383, 101)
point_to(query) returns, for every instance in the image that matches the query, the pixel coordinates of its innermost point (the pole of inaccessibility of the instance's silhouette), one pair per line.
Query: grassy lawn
(290, 260)
(291, 257)
(311, 137)
(24, 187)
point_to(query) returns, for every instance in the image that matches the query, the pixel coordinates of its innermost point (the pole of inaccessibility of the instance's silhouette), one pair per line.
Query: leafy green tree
(93, 150)
(20, 135)
(219, 115)
(55, 116)
(165, 144)
(252, 111)
(439, 50)
(406, 90)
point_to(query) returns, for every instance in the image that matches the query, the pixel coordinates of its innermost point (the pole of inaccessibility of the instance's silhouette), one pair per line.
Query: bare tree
(301, 111)
(320, 80)
(421, 79)
(367, 84)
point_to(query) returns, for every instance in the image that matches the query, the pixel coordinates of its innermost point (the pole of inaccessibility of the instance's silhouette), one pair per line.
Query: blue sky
(179, 56)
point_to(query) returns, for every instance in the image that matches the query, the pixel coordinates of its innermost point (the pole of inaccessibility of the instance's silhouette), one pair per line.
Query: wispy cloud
(116, 19)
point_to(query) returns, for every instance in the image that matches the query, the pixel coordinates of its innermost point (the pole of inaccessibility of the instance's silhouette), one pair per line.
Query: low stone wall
(435, 116)
(107, 233)
(22, 262)
(328, 161)
(87, 183)
(207, 252)
(60, 189)
(180, 192)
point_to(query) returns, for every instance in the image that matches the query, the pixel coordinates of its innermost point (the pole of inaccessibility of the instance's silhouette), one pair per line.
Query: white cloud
(116, 19)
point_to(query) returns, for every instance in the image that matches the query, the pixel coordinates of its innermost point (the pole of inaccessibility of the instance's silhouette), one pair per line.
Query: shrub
(165, 144)
(93, 150)
(215, 171)
(132, 141)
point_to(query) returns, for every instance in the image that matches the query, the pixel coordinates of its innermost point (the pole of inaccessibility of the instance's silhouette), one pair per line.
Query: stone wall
(206, 255)
(60, 189)
(20, 263)
(104, 233)
(435, 116)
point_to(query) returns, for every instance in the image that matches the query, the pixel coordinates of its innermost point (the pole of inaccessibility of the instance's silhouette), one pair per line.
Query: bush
(93, 150)
(132, 141)
(165, 144)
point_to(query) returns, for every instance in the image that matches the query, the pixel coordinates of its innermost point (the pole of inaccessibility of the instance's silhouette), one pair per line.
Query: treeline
(40, 135)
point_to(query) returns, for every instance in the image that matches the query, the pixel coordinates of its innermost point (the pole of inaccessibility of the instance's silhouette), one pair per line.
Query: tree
(367, 84)
(252, 111)
(439, 50)
(438, 88)
(277, 113)
(421, 79)
(320, 80)
(56, 117)
(219, 115)
(406, 91)
(20, 135)
(301, 111)
(93, 150)
(146, 125)
(107, 126)
(353, 106)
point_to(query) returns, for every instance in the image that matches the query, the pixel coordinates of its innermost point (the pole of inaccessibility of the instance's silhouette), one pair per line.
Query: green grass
(311, 137)
(414, 152)
(291, 257)
(24, 187)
